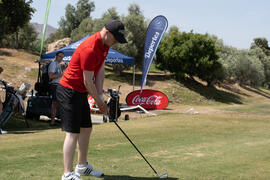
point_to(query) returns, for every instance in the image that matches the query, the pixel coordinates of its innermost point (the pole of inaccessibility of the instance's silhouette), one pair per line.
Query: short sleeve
(52, 67)
(88, 59)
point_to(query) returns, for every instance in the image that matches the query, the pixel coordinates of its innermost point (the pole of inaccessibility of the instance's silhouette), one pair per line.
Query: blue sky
(237, 22)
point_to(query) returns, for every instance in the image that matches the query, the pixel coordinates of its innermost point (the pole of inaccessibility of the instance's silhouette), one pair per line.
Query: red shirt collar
(100, 44)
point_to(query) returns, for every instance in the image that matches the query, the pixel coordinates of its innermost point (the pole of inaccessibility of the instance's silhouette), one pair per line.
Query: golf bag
(43, 85)
(14, 101)
(113, 105)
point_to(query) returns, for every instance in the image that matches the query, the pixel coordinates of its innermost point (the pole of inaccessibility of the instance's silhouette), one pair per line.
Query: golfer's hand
(103, 108)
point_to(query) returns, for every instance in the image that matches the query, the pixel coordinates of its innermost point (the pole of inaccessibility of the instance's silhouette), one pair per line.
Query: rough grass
(220, 146)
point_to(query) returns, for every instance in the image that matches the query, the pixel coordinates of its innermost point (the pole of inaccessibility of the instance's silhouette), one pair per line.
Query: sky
(236, 22)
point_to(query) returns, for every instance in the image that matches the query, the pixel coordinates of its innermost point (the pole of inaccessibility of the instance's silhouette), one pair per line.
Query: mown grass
(220, 146)
(255, 108)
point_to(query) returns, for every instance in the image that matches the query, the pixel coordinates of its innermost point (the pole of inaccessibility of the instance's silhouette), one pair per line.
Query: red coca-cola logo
(149, 99)
(91, 101)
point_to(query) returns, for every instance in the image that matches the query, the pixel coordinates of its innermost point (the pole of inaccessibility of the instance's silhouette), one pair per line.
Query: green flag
(45, 26)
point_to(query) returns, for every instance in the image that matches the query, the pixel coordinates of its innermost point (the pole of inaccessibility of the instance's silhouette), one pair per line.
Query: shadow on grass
(17, 125)
(231, 88)
(257, 91)
(127, 77)
(211, 92)
(125, 177)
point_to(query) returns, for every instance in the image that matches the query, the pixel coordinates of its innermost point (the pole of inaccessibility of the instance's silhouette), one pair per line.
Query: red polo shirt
(90, 56)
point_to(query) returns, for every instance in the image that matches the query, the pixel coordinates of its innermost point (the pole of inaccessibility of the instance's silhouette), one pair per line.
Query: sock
(67, 174)
(83, 165)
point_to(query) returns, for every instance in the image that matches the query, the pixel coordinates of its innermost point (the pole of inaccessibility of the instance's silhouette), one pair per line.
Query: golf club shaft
(135, 147)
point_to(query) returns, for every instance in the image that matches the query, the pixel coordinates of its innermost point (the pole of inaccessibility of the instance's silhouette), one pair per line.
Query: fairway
(202, 146)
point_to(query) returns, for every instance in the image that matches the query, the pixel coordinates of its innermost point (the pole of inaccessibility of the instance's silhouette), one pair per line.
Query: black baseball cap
(117, 29)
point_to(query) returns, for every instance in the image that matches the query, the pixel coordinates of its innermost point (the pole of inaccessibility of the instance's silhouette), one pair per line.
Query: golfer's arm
(54, 76)
(99, 80)
(90, 86)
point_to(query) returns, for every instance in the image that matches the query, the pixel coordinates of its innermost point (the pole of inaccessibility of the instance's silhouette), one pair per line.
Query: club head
(165, 175)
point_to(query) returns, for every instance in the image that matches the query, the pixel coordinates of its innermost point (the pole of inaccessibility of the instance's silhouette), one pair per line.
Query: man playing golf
(84, 74)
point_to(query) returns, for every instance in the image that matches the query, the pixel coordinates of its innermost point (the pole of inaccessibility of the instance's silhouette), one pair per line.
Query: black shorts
(53, 88)
(74, 109)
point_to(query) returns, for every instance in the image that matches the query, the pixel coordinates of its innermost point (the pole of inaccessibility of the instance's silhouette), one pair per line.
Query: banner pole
(45, 26)
(133, 76)
(43, 36)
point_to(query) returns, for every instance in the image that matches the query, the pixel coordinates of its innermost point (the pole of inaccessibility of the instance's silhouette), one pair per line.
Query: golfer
(84, 75)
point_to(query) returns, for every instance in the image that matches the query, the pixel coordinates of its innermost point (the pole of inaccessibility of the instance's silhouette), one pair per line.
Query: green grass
(153, 68)
(220, 146)
(255, 108)
(189, 92)
(233, 145)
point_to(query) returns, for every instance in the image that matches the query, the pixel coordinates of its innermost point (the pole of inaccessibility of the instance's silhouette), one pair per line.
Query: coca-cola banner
(148, 99)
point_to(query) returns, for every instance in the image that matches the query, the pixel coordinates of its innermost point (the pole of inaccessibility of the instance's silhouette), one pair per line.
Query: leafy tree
(189, 53)
(248, 69)
(91, 26)
(265, 60)
(110, 14)
(59, 34)
(74, 16)
(261, 43)
(227, 58)
(86, 27)
(27, 37)
(14, 15)
(136, 27)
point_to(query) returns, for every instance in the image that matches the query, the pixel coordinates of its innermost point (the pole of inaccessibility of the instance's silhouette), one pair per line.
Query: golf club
(165, 175)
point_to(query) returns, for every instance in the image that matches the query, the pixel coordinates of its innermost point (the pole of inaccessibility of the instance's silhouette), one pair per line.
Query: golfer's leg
(83, 143)
(68, 151)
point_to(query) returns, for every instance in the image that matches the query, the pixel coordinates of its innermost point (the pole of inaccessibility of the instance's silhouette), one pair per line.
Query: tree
(27, 39)
(14, 15)
(261, 43)
(248, 69)
(227, 58)
(91, 26)
(86, 27)
(110, 14)
(136, 27)
(74, 16)
(189, 53)
(265, 60)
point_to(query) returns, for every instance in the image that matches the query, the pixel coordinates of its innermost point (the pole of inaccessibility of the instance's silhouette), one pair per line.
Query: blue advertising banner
(155, 31)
